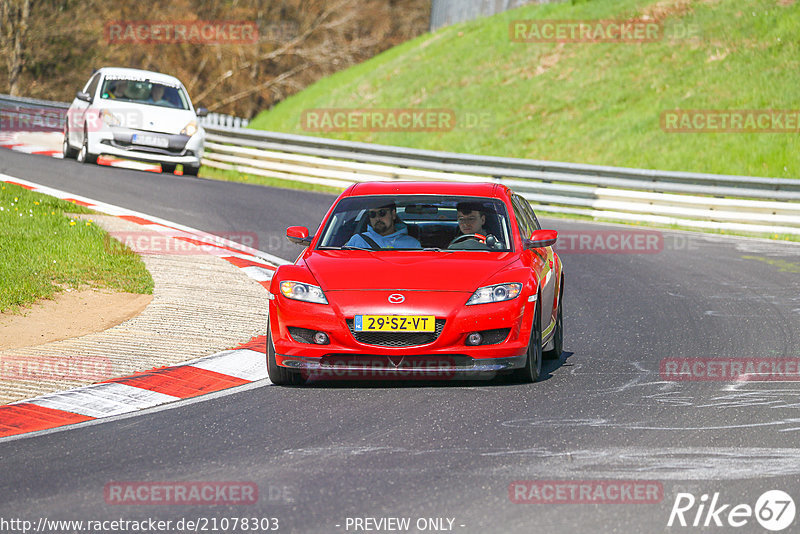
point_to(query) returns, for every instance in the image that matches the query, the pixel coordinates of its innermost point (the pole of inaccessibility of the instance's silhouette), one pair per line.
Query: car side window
(91, 87)
(526, 226)
(526, 207)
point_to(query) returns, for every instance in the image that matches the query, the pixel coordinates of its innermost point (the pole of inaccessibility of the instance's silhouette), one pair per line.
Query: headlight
(495, 293)
(190, 129)
(304, 292)
(109, 118)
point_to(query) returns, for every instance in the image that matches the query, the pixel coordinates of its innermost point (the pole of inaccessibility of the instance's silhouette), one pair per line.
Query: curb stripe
(242, 262)
(26, 417)
(241, 365)
(183, 382)
(257, 344)
(135, 219)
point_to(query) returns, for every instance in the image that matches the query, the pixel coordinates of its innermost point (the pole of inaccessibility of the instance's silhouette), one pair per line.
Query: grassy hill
(585, 102)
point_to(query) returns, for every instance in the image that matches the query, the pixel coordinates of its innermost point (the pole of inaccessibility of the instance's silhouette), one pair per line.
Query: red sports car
(418, 280)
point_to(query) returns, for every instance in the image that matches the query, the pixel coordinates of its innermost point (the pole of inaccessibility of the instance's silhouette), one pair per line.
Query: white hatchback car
(135, 114)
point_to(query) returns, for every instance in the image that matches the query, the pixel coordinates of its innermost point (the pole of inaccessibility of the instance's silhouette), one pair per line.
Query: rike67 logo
(774, 510)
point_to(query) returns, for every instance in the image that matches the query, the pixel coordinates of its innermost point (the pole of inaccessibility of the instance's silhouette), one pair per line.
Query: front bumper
(117, 141)
(446, 355)
(424, 367)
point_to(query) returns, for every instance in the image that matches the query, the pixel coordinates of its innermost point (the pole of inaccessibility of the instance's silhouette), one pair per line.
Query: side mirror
(298, 235)
(201, 112)
(86, 97)
(541, 238)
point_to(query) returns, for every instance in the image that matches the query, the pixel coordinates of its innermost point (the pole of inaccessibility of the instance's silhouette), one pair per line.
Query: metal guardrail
(31, 114)
(220, 119)
(706, 201)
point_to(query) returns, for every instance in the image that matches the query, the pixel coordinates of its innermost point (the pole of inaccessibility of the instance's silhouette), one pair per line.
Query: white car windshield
(145, 92)
(418, 222)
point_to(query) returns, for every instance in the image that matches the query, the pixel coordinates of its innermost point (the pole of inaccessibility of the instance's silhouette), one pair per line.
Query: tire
(168, 168)
(280, 376)
(188, 170)
(533, 363)
(558, 335)
(66, 150)
(84, 156)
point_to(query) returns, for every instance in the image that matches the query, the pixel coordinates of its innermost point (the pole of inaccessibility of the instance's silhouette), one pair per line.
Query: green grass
(581, 102)
(43, 251)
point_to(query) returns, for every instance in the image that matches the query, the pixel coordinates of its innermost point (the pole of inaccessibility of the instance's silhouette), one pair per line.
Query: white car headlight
(109, 118)
(190, 129)
(495, 293)
(304, 292)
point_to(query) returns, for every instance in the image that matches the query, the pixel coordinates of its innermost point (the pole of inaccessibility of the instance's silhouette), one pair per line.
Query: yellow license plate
(394, 323)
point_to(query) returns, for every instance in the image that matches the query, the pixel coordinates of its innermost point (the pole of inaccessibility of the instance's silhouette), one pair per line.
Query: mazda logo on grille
(396, 298)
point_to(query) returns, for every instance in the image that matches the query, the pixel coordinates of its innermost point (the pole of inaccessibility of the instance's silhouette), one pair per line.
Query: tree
(14, 17)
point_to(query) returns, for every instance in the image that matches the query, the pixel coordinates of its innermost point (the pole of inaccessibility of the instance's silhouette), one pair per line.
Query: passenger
(385, 230)
(119, 89)
(157, 96)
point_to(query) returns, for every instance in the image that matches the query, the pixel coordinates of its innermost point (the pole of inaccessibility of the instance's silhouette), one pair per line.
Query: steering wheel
(459, 239)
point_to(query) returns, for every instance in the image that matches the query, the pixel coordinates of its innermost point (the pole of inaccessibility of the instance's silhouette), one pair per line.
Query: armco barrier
(710, 201)
(705, 201)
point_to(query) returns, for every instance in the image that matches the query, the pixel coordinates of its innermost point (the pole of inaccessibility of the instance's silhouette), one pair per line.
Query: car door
(541, 260)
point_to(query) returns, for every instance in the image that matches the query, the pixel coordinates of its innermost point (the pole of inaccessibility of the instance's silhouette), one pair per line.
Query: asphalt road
(324, 455)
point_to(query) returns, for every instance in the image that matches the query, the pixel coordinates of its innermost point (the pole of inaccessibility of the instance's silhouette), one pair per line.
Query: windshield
(145, 92)
(418, 222)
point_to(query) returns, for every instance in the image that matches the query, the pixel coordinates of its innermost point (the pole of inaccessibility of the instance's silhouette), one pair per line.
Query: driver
(470, 218)
(385, 230)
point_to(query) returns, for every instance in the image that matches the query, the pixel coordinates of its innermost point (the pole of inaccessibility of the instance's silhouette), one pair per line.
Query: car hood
(149, 118)
(418, 270)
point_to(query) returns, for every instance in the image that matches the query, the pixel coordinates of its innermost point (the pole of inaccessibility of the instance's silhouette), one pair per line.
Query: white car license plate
(150, 140)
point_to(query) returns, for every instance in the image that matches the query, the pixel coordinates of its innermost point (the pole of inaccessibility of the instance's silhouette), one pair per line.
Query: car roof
(138, 73)
(477, 189)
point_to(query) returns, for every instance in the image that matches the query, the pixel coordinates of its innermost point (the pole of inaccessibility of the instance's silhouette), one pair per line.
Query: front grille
(396, 339)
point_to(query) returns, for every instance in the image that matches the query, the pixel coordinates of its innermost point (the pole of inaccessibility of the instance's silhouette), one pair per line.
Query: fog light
(474, 339)
(321, 338)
